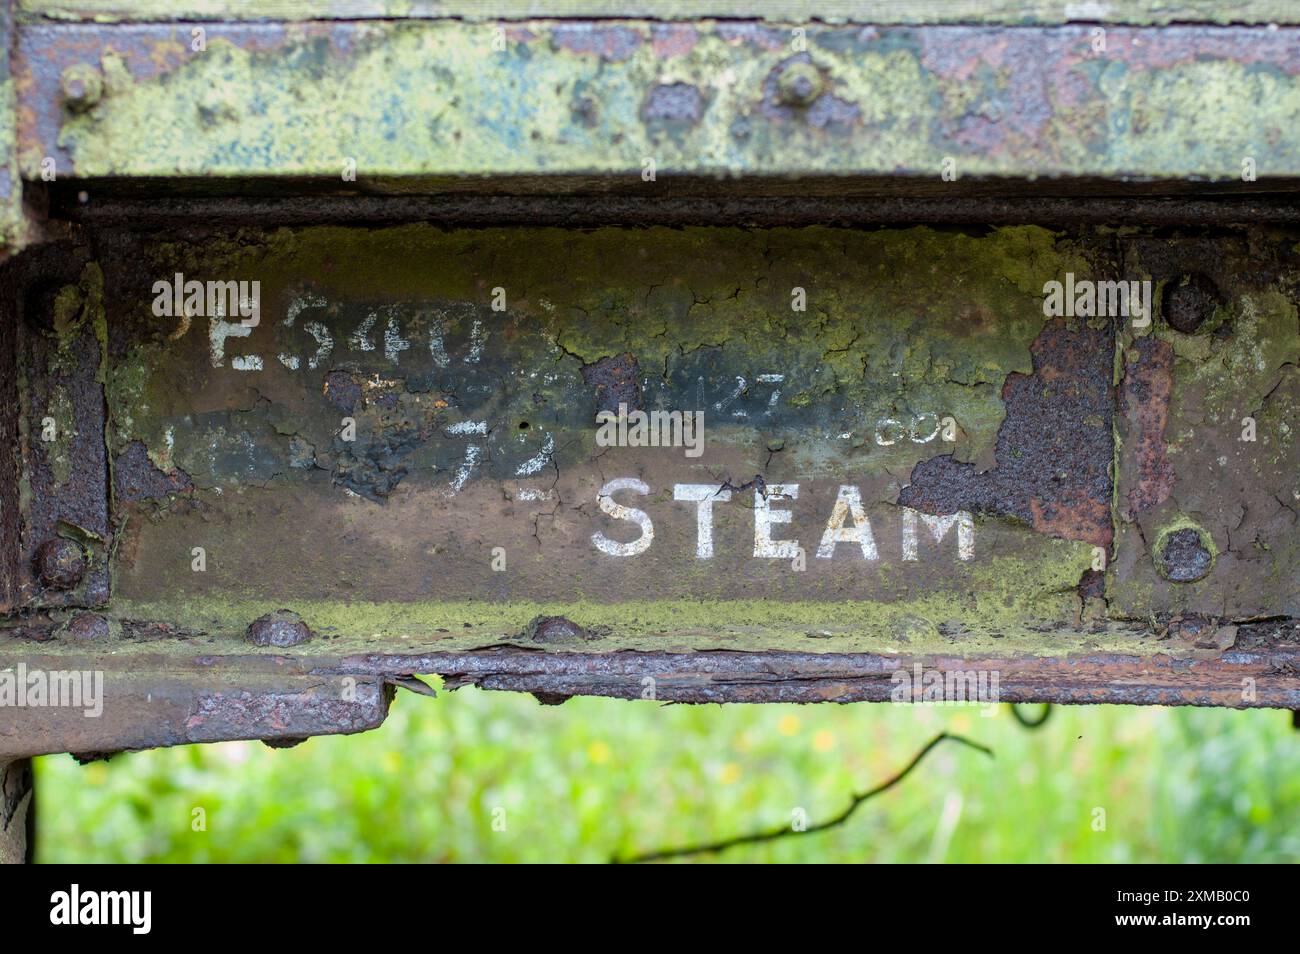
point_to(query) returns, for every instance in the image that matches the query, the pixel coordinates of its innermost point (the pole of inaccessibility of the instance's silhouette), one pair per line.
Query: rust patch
(287, 715)
(135, 477)
(342, 390)
(613, 43)
(1092, 585)
(673, 39)
(61, 355)
(15, 786)
(1148, 384)
(1186, 304)
(757, 36)
(1184, 557)
(1054, 448)
(673, 106)
(88, 626)
(615, 381)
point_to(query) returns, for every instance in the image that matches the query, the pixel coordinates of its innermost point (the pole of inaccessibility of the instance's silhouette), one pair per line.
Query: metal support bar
(17, 808)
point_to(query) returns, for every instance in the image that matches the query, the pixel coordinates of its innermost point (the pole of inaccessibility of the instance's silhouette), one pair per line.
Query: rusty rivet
(799, 84)
(554, 629)
(281, 628)
(1184, 555)
(82, 86)
(673, 104)
(60, 563)
(88, 626)
(1187, 304)
(551, 698)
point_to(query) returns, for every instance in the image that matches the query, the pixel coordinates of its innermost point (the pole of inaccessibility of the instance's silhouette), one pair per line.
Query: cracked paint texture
(474, 429)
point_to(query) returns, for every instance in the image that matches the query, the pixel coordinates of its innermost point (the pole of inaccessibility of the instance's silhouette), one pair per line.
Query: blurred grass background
(594, 777)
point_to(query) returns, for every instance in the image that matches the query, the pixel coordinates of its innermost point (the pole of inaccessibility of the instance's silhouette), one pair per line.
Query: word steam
(848, 522)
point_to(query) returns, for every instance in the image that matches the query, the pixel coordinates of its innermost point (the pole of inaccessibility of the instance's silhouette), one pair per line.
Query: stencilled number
(737, 397)
(320, 334)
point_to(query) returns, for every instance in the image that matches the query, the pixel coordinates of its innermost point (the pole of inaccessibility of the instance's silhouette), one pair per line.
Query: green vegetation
(595, 777)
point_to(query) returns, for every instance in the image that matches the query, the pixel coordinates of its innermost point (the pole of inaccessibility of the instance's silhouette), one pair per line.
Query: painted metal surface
(449, 104)
(830, 11)
(392, 465)
(1212, 401)
(386, 429)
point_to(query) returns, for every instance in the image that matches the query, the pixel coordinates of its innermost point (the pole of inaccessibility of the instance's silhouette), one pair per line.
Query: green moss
(1011, 605)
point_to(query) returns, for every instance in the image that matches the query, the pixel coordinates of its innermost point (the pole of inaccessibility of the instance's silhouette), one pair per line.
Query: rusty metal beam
(164, 698)
(229, 440)
(142, 707)
(17, 805)
(1043, 12)
(179, 213)
(392, 468)
(434, 106)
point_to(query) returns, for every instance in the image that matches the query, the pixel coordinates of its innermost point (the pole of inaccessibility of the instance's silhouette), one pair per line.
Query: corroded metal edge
(153, 708)
(154, 700)
(839, 11)
(17, 811)
(178, 213)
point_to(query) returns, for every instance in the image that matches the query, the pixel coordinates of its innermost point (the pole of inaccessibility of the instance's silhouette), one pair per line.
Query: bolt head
(60, 564)
(1184, 556)
(282, 628)
(82, 86)
(1187, 304)
(88, 626)
(553, 629)
(799, 84)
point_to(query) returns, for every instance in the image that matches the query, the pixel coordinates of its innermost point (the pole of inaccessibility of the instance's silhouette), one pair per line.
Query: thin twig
(784, 830)
(1027, 722)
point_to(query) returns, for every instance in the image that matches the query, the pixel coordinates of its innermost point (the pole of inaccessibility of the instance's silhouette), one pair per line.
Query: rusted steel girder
(548, 105)
(1043, 12)
(379, 456)
(383, 427)
(165, 698)
(17, 805)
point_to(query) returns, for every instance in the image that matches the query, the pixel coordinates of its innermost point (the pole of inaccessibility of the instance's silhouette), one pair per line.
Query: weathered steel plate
(544, 104)
(1209, 488)
(400, 444)
(476, 492)
(56, 520)
(859, 11)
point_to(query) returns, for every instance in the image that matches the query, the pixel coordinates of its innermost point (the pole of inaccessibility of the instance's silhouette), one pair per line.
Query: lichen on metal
(435, 102)
(472, 432)
(1210, 431)
(828, 11)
